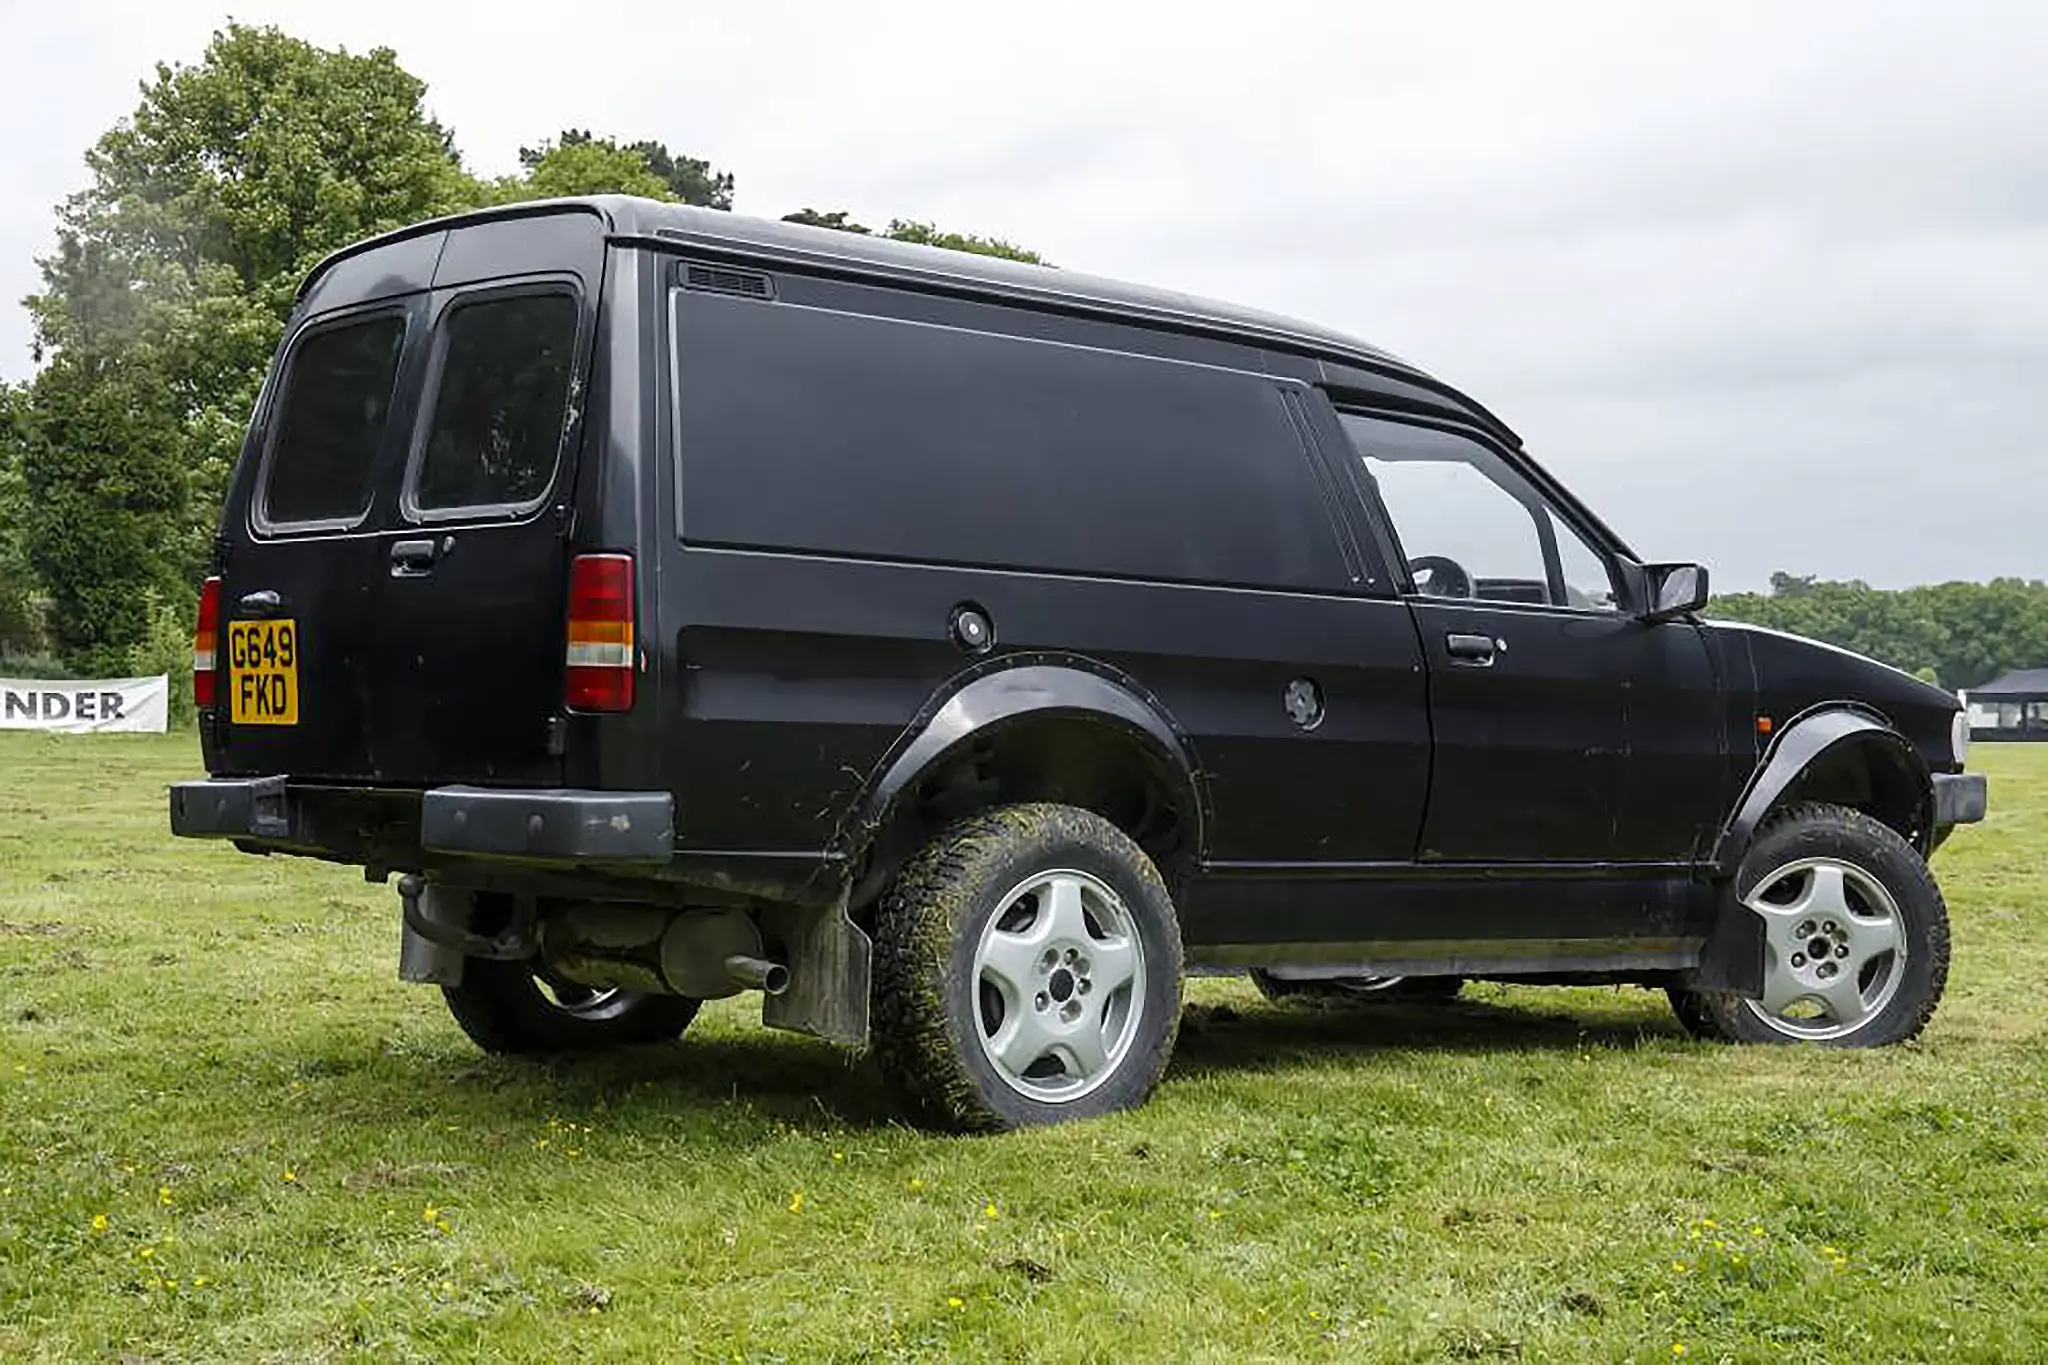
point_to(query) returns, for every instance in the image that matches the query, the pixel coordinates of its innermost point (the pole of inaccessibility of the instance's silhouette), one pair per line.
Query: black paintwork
(602, 828)
(821, 448)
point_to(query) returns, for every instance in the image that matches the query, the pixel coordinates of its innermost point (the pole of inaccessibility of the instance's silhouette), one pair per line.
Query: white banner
(78, 708)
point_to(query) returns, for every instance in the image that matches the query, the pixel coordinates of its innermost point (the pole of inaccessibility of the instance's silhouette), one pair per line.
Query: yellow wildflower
(916, 1184)
(955, 1301)
(99, 1222)
(1678, 1348)
(200, 1282)
(163, 1196)
(990, 1211)
(796, 1202)
(290, 1176)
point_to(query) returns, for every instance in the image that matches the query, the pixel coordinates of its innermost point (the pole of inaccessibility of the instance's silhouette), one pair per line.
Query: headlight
(1959, 736)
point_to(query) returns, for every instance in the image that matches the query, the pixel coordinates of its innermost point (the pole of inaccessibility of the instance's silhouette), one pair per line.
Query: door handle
(411, 558)
(1470, 649)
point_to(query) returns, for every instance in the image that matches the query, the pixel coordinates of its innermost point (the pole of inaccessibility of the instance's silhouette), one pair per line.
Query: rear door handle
(1470, 649)
(410, 558)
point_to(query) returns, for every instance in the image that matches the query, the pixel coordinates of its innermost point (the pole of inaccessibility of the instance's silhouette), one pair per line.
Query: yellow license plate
(263, 672)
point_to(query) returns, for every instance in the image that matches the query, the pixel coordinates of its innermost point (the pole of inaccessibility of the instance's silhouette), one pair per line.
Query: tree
(165, 297)
(684, 179)
(1962, 633)
(103, 468)
(587, 166)
(908, 230)
(17, 627)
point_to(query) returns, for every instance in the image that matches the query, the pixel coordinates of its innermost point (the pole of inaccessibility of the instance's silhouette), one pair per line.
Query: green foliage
(1962, 634)
(684, 179)
(905, 230)
(588, 166)
(166, 295)
(105, 470)
(261, 158)
(18, 633)
(166, 648)
(924, 234)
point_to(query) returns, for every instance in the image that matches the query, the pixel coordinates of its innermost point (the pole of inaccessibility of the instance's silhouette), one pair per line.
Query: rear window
(504, 395)
(337, 396)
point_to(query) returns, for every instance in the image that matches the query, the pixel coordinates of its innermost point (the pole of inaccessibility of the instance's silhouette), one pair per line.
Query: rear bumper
(558, 826)
(1959, 799)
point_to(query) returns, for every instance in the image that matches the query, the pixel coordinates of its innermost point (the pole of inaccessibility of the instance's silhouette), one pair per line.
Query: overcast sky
(1766, 283)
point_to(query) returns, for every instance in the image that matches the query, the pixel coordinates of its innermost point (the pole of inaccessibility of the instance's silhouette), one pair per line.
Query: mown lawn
(227, 1132)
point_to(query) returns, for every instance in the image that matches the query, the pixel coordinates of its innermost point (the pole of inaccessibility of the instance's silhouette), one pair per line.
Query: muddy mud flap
(829, 959)
(1732, 958)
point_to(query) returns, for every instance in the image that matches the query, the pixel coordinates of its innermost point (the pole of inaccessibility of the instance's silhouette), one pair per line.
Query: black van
(959, 652)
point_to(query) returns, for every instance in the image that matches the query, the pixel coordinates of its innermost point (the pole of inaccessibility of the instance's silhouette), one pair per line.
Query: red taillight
(205, 644)
(600, 653)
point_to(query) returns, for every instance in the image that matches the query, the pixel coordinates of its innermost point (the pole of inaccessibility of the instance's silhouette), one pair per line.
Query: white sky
(1766, 283)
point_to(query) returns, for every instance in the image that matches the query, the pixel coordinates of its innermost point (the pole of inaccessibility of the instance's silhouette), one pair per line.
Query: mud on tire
(1031, 931)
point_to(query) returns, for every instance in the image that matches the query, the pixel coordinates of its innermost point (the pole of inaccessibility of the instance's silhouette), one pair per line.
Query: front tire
(1027, 970)
(1856, 936)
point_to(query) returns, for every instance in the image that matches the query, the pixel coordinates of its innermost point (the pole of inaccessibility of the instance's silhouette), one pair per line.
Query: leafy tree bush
(1963, 634)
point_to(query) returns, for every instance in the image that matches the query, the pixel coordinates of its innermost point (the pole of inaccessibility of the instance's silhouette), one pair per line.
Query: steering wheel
(1446, 576)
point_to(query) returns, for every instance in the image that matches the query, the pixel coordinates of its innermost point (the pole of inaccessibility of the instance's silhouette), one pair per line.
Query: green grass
(297, 1157)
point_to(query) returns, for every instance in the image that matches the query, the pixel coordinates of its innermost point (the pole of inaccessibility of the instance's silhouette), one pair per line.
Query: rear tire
(1027, 970)
(505, 1007)
(1359, 990)
(1857, 936)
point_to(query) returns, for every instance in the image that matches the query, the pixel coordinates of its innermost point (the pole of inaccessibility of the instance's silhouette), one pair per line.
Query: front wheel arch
(1842, 755)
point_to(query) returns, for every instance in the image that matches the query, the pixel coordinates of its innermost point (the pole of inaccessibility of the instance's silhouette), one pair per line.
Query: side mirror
(1674, 590)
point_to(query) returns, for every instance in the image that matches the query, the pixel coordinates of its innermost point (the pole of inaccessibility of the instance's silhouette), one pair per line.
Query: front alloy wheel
(1835, 949)
(1855, 936)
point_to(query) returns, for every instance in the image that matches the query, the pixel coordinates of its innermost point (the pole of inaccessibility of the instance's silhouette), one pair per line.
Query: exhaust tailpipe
(757, 974)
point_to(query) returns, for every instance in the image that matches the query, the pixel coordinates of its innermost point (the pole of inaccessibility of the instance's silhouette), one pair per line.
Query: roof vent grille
(723, 281)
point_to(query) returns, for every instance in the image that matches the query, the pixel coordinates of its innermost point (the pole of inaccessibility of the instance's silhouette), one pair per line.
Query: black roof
(2021, 682)
(800, 245)
(995, 274)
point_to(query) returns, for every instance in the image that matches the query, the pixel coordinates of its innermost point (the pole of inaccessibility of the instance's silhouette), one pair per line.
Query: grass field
(228, 1133)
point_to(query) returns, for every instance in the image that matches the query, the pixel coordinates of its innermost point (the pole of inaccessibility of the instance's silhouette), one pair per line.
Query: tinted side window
(809, 430)
(499, 408)
(1470, 526)
(330, 421)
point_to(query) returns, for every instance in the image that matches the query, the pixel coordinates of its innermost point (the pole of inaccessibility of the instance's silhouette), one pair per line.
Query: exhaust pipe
(757, 974)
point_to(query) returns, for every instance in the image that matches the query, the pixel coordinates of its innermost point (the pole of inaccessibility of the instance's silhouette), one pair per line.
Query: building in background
(2011, 707)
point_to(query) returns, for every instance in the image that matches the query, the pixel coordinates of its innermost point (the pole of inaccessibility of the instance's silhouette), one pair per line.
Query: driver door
(1531, 664)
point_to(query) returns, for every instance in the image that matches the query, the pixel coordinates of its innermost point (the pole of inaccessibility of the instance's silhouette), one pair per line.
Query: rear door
(470, 575)
(394, 566)
(299, 545)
